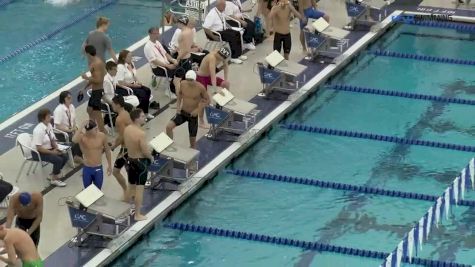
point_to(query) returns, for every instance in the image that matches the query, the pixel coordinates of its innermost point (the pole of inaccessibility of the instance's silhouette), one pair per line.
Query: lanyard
(220, 18)
(49, 137)
(68, 114)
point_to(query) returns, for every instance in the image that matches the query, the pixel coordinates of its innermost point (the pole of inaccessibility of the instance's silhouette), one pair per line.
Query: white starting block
(94, 214)
(170, 150)
(325, 40)
(359, 12)
(280, 74)
(233, 110)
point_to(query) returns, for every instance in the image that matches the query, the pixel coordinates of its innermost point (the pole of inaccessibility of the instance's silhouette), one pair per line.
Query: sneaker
(235, 61)
(150, 116)
(243, 58)
(58, 183)
(249, 46)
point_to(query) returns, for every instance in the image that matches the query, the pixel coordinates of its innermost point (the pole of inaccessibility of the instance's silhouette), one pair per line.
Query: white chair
(167, 81)
(23, 141)
(106, 109)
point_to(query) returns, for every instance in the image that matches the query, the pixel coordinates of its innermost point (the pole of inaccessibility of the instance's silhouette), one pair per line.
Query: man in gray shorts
(99, 39)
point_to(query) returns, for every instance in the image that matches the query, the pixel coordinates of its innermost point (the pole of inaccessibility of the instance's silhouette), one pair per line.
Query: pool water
(337, 217)
(52, 64)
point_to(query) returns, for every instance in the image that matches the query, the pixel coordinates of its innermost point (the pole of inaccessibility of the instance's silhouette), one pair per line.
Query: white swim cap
(190, 75)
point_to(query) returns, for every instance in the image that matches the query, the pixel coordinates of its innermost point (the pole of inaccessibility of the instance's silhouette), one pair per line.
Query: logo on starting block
(80, 218)
(354, 10)
(269, 76)
(215, 116)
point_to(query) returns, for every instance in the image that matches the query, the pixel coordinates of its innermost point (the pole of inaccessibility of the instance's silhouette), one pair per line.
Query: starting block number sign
(192, 7)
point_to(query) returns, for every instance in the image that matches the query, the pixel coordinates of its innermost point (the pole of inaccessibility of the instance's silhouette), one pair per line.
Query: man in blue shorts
(93, 143)
(308, 10)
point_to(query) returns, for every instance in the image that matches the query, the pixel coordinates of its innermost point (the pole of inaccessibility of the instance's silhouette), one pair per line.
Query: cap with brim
(190, 75)
(25, 198)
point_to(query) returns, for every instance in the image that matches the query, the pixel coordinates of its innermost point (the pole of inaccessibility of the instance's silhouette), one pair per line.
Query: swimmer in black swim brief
(138, 170)
(95, 101)
(183, 117)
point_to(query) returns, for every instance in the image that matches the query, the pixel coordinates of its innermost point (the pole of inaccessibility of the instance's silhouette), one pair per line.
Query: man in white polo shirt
(233, 11)
(216, 21)
(158, 57)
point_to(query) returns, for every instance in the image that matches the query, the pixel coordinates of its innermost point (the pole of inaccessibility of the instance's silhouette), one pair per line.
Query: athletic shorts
(311, 13)
(183, 117)
(95, 99)
(92, 175)
(121, 159)
(206, 80)
(282, 40)
(25, 224)
(138, 171)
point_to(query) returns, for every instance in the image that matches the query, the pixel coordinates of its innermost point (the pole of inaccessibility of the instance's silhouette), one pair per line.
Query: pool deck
(56, 229)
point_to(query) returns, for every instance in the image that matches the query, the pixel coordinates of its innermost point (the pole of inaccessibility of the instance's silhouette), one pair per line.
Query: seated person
(65, 120)
(191, 100)
(45, 143)
(185, 22)
(126, 76)
(158, 57)
(215, 21)
(232, 10)
(110, 85)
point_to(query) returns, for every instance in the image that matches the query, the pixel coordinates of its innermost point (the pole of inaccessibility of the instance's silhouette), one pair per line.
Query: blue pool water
(43, 69)
(333, 216)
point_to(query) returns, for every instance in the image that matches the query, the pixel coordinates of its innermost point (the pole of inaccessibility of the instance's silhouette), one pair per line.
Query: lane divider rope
(439, 24)
(301, 244)
(375, 91)
(5, 3)
(341, 186)
(54, 32)
(376, 137)
(386, 53)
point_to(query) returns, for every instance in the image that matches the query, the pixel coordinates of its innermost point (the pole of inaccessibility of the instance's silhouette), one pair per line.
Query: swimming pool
(340, 218)
(42, 69)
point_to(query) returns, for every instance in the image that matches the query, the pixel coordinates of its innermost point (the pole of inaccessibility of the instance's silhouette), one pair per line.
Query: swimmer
(93, 143)
(28, 210)
(191, 100)
(19, 247)
(123, 120)
(308, 9)
(280, 15)
(140, 158)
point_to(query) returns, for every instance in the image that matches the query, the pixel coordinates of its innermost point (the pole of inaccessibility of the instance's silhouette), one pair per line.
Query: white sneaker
(249, 46)
(236, 61)
(58, 183)
(150, 116)
(243, 58)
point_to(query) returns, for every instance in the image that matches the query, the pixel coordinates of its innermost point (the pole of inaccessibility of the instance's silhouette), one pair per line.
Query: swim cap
(224, 52)
(190, 75)
(183, 20)
(25, 198)
(90, 125)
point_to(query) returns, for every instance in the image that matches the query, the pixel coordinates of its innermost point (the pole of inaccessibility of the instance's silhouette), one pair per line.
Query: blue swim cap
(25, 198)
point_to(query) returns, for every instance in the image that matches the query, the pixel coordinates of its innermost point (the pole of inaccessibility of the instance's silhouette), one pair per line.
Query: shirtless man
(308, 9)
(140, 158)
(18, 245)
(96, 81)
(123, 120)
(93, 143)
(207, 73)
(192, 98)
(28, 210)
(185, 43)
(280, 15)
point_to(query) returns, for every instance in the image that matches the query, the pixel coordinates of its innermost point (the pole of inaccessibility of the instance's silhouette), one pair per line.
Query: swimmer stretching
(19, 247)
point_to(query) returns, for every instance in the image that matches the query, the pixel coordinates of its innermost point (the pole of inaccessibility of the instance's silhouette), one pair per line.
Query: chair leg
(71, 158)
(20, 171)
(30, 168)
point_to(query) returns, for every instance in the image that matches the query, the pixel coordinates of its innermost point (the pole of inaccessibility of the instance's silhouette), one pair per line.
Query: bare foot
(140, 217)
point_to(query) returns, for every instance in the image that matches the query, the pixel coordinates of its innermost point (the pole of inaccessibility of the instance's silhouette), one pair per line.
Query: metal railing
(180, 4)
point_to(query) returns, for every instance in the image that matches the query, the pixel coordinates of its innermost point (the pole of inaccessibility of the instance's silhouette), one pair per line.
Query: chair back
(23, 140)
(314, 40)
(268, 76)
(354, 10)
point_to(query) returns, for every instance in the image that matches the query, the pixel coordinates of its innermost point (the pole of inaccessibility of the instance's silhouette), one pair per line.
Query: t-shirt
(43, 135)
(100, 41)
(232, 9)
(64, 116)
(109, 86)
(215, 20)
(155, 51)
